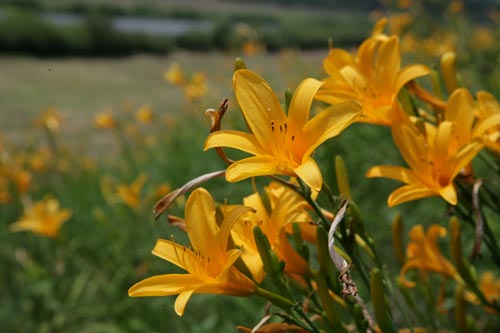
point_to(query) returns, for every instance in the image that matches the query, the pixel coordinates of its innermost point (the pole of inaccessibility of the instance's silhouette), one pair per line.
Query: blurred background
(101, 109)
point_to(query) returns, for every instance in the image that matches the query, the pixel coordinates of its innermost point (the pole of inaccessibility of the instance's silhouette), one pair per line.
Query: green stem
(289, 306)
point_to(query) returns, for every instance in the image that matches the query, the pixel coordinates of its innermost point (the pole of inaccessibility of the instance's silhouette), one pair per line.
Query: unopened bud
(449, 71)
(239, 63)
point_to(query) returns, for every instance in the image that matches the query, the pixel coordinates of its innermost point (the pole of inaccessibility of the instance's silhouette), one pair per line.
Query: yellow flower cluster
(235, 248)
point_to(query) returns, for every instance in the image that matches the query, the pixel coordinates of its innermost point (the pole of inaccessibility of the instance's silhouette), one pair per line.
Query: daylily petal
(411, 264)
(408, 193)
(228, 223)
(488, 103)
(465, 156)
(388, 63)
(459, 110)
(404, 175)
(331, 92)
(201, 226)
(258, 103)
(298, 113)
(164, 285)
(442, 140)
(449, 194)
(329, 123)
(409, 73)
(250, 167)
(366, 53)
(181, 302)
(235, 139)
(336, 59)
(177, 254)
(310, 173)
(486, 124)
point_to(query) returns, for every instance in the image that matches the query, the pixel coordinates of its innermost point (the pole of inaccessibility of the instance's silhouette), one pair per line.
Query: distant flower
(423, 254)
(194, 86)
(44, 218)
(175, 75)
(209, 262)
(145, 114)
(130, 194)
(51, 119)
(5, 196)
(490, 287)
(22, 179)
(373, 77)
(105, 120)
(275, 210)
(282, 144)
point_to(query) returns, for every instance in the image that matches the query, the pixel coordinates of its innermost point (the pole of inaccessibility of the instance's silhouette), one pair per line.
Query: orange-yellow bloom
(489, 108)
(175, 75)
(281, 144)
(105, 120)
(490, 287)
(284, 208)
(373, 77)
(434, 158)
(460, 110)
(130, 194)
(44, 218)
(144, 114)
(51, 119)
(423, 254)
(209, 263)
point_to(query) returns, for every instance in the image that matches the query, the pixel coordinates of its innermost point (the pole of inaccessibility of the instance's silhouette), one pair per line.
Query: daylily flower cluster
(237, 248)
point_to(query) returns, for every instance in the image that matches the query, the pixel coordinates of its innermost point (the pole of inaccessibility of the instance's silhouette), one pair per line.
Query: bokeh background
(102, 109)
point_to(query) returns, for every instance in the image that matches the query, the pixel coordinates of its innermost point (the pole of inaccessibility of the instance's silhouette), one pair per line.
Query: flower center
(283, 144)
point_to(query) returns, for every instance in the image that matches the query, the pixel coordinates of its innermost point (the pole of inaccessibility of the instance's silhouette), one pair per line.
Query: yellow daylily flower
(105, 120)
(434, 158)
(489, 108)
(209, 263)
(130, 194)
(175, 75)
(460, 110)
(44, 218)
(423, 254)
(373, 77)
(490, 287)
(281, 144)
(284, 208)
(145, 114)
(51, 119)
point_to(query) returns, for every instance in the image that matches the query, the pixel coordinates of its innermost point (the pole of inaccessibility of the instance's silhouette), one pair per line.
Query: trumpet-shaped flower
(209, 263)
(434, 158)
(283, 208)
(373, 77)
(44, 218)
(460, 110)
(490, 287)
(281, 144)
(423, 254)
(489, 108)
